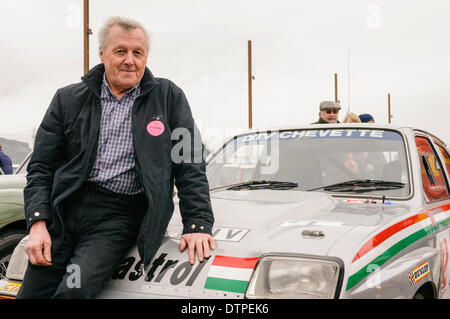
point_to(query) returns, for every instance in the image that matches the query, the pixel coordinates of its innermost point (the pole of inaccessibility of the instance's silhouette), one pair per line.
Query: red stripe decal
(235, 262)
(388, 232)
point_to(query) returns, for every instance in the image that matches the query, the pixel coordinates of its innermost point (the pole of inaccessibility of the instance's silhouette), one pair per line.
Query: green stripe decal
(237, 286)
(388, 254)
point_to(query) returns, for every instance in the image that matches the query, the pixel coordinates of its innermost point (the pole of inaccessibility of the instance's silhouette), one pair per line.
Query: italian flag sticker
(230, 273)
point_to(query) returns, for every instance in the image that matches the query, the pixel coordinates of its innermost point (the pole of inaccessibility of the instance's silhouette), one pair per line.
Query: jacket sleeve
(48, 154)
(189, 167)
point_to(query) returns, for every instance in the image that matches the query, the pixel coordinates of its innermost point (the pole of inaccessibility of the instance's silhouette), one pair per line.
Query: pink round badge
(155, 128)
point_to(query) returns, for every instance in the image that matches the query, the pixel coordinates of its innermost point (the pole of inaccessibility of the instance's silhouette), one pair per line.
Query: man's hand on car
(39, 244)
(199, 242)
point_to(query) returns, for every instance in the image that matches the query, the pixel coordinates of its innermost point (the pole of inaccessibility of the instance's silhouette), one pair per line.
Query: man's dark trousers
(100, 227)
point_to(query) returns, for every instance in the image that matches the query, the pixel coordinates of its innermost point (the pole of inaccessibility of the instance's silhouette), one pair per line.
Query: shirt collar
(106, 88)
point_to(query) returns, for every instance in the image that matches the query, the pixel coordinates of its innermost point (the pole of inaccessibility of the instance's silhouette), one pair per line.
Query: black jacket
(66, 145)
(322, 121)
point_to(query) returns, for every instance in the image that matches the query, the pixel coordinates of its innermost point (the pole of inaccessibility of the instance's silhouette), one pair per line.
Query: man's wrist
(197, 228)
(39, 224)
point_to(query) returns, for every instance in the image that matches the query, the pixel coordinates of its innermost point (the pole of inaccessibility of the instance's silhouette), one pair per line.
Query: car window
(446, 157)
(433, 181)
(314, 159)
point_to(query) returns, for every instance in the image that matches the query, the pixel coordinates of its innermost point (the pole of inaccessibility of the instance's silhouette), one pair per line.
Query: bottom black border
(229, 308)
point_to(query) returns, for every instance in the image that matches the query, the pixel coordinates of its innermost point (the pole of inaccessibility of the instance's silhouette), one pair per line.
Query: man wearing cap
(366, 118)
(329, 112)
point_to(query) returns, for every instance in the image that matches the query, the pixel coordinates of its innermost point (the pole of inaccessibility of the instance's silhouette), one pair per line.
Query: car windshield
(356, 161)
(23, 167)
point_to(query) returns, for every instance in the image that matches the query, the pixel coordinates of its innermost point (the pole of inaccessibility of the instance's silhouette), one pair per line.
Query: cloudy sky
(376, 47)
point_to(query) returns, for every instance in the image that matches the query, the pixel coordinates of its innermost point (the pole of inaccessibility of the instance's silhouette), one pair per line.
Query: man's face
(329, 115)
(124, 57)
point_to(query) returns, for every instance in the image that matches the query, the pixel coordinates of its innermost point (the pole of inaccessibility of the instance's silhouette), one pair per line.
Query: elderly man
(328, 112)
(102, 172)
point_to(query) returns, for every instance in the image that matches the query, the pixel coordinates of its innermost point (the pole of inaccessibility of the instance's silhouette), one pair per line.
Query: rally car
(319, 211)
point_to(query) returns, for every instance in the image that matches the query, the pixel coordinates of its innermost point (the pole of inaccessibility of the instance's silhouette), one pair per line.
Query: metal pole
(389, 108)
(250, 84)
(348, 78)
(335, 88)
(86, 32)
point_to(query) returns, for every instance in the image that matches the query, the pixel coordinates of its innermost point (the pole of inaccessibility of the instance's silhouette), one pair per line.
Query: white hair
(126, 24)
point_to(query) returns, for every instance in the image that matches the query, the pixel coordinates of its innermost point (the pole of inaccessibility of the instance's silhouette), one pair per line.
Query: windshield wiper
(361, 185)
(251, 185)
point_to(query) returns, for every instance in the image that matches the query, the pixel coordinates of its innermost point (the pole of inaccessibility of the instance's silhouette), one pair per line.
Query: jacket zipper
(142, 266)
(133, 127)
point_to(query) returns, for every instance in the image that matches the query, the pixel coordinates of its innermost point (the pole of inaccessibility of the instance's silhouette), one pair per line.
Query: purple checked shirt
(114, 166)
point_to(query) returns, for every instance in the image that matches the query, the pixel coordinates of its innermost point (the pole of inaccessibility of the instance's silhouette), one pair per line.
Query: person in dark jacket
(102, 173)
(328, 112)
(5, 163)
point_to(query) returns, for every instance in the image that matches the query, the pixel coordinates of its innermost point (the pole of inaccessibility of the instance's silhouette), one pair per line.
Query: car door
(434, 161)
(443, 238)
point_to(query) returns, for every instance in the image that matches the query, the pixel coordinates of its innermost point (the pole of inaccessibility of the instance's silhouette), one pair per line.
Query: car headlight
(293, 276)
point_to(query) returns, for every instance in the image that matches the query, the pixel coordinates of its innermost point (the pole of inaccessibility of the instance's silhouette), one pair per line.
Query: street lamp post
(86, 32)
(250, 78)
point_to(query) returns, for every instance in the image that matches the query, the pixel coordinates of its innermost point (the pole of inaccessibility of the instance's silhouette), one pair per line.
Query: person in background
(350, 162)
(351, 118)
(364, 164)
(5, 162)
(328, 112)
(366, 118)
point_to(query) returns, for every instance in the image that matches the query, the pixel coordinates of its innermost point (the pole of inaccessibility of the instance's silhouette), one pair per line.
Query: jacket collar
(322, 121)
(93, 80)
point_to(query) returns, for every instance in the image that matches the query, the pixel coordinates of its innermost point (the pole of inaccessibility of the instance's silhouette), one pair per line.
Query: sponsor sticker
(352, 201)
(330, 223)
(165, 269)
(230, 273)
(11, 287)
(418, 273)
(320, 134)
(219, 233)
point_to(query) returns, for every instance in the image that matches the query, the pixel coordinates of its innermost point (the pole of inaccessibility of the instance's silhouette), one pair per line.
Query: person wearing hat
(366, 118)
(329, 112)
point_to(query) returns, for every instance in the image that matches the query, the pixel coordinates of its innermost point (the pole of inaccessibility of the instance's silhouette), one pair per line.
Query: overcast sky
(394, 46)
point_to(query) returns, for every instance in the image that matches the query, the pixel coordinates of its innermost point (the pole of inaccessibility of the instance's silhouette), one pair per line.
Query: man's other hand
(38, 245)
(199, 242)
